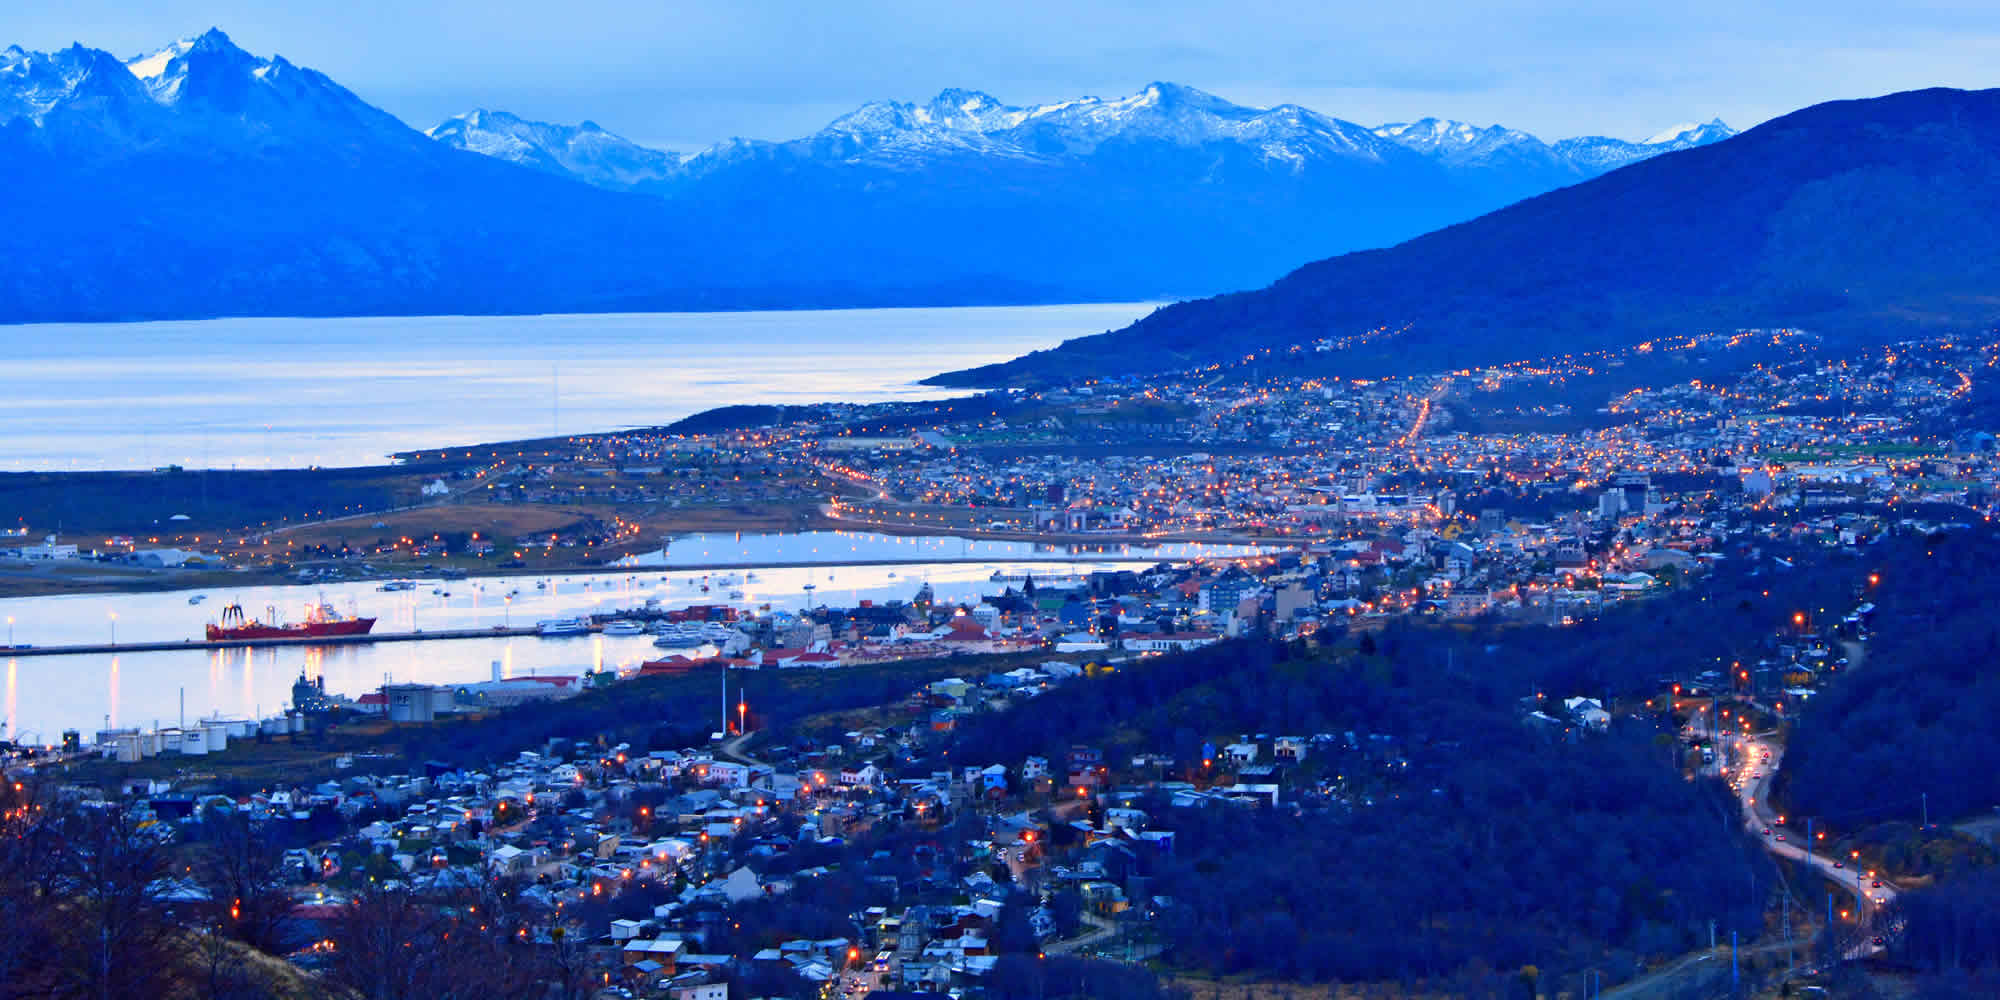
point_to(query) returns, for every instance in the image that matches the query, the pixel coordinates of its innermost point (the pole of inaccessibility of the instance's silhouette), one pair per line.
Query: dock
(495, 632)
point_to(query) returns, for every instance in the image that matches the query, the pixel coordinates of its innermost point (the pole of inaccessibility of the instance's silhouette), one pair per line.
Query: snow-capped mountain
(209, 76)
(961, 125)
(34, 84)
(585, 151)
(1460, 144)
(1598, 154)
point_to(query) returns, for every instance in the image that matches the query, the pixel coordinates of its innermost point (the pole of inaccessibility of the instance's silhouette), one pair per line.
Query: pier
(497, 631)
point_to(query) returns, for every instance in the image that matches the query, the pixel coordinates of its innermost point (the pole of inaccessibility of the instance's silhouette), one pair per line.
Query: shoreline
(281, 580)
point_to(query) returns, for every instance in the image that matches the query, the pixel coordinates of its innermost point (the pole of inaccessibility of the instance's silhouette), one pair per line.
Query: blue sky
(685, 74)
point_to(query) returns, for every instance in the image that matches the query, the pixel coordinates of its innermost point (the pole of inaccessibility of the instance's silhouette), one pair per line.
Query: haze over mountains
(1869, 219)
(201, 180)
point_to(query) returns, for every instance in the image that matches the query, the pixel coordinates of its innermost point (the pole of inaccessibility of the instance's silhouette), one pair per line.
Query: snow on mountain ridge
(586, 150)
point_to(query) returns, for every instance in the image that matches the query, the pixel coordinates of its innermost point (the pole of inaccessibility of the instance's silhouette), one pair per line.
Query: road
(1753, 759)
(1100, 929)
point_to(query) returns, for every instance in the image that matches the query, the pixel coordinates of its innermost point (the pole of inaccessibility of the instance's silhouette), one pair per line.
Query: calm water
(44, 695)
(292, 392)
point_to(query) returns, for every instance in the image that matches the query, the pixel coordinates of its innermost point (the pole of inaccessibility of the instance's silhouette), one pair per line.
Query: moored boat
(321, 621)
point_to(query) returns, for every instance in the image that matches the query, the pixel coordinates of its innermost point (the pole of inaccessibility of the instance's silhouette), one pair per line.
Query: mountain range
(965, 124)
(1872, 218)
(201, 180)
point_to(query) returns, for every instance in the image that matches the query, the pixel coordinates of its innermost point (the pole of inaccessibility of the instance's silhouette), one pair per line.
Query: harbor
(107, 661)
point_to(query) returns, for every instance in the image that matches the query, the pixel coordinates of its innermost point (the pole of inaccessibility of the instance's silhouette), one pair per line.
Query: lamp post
(114, 629)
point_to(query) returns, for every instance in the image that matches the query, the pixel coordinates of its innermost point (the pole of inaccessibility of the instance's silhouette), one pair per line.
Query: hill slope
(1852, 217)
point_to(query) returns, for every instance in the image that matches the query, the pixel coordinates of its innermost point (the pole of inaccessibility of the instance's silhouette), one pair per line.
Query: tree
(240, 868)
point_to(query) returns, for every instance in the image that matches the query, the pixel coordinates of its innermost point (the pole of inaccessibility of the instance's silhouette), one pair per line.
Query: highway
(1748, 762)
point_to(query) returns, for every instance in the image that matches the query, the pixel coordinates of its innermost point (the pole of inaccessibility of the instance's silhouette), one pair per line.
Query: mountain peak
(1165, 94)
(1690, 133)
(964, 100)
(213, 40)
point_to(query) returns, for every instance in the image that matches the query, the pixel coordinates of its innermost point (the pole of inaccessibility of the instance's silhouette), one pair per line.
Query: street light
(114, 628)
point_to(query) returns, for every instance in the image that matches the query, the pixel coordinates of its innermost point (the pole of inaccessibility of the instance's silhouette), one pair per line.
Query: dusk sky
(683, 75)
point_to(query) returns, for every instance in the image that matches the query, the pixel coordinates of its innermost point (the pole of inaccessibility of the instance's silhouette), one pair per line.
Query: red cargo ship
(321, 621)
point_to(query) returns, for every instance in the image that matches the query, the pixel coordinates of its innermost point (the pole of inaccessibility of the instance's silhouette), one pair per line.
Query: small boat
(394, 585)
(624, 626)
(892, 574)
(197, 599)
(749, 578)
(541, 585)
(562, 626)
(735, 595)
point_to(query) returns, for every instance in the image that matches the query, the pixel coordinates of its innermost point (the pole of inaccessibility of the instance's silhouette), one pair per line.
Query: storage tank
(194, 743)
(128, 747)
(149, 744)
(216, 734)
(297, 721)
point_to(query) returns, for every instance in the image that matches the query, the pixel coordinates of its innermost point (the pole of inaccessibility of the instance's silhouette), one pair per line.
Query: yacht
(624, 626)
(563, 626)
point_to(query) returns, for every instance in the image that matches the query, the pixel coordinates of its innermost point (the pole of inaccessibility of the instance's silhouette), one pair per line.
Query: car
(1838, 864)
(1879, 941)
(1781, 836)
(1767, 831)
(1877, 884)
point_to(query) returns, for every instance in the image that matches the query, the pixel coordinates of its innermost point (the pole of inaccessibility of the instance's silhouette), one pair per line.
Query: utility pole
(1734, 977)
(1791, 957)
(1927, 808)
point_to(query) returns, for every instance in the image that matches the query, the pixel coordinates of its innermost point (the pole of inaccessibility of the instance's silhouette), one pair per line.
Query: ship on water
(321, 621)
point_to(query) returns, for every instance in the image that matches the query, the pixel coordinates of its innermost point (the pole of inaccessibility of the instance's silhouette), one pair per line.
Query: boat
(749, 578)
(735, 595)
(197, 599)
(624, 626)
(395, 585)
(321, 621)
(563, 626)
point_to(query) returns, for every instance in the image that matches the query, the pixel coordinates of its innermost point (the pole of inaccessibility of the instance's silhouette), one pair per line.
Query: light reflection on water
(257, 393)
(48, 694)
